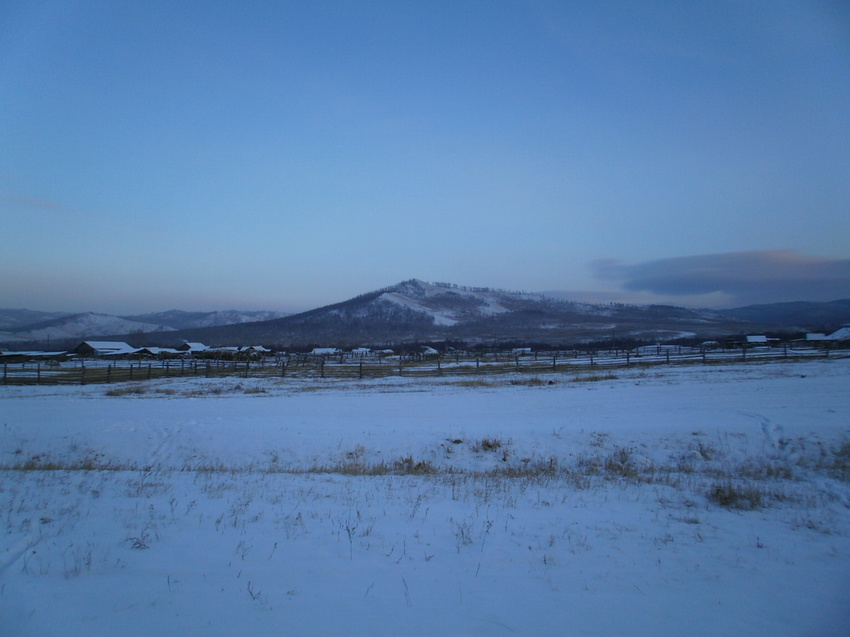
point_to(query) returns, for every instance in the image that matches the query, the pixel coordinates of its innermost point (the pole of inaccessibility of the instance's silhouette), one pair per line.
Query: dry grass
(595, 378)
(130, 389)
(735, 496)
(743, 485)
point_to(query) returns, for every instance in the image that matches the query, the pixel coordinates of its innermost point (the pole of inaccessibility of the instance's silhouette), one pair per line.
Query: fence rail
(92, 371)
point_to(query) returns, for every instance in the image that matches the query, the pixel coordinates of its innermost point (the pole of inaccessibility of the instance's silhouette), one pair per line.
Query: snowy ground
(703, 500)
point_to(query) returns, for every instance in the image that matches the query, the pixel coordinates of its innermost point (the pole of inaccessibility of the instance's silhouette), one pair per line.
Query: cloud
(768, 276)
(29, 204)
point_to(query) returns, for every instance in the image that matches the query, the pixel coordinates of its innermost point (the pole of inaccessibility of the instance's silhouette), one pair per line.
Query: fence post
(83, 374)
(668, 355)
(627, 357)
(38, 374)
(591, 359)
(149, 371)
(109, 373)
(361, 368)
(247, 367)
(439, 369)
(282, 369)
(5, 372)
(554, 362)
(322, 367)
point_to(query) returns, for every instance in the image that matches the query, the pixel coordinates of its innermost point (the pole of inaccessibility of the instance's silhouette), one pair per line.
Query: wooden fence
(345, 366)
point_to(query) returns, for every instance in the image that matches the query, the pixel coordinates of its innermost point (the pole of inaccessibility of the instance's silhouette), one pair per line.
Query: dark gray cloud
(770, 276)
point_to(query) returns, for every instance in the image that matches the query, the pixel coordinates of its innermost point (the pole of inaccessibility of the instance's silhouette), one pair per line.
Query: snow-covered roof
(33, 354)
(157, 350)
(107, 348)
(193, 347)
(840, 335)
(106, 345)
(325, 350)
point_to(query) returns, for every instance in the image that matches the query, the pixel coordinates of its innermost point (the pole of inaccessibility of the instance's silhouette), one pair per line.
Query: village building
(842, 334)
(256, 349)
(325, 351)
(157, 352)
(192, 348)
(103, 348)
(26, 356)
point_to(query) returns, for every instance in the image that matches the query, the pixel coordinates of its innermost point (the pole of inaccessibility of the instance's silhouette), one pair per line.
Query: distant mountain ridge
(821, 315)
(416, 311)
(19, 326)
(179, 320)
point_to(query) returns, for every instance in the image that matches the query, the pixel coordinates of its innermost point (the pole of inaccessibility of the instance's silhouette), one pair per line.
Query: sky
(287, 155)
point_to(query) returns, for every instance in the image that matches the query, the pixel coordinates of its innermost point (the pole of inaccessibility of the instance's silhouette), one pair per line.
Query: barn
(103, 348)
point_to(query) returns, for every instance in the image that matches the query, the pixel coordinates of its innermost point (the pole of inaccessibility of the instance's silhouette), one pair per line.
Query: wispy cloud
(63, 214)
(29, 204)
(765, 276)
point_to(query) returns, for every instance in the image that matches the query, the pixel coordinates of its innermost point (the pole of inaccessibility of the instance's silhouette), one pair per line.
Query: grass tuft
(595, 378)
(487, 444)
(131, 389)
(731, 496)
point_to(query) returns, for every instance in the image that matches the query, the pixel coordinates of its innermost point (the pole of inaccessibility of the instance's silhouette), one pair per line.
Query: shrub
(731, 496)
(488, 444)
(839, 468)
(619, 464)
(409, 466)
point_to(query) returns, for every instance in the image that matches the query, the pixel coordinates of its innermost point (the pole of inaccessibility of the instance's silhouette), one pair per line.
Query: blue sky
(286, 155)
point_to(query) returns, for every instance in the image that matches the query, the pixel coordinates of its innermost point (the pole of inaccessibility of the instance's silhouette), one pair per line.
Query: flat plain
(707, 500)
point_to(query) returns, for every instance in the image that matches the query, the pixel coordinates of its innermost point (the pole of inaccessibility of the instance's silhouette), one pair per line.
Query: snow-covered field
(703, 500)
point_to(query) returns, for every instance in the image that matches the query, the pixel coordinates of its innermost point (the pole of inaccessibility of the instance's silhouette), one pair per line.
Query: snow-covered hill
(86, 325)
(416, 311)
(20, 326)
(179, 320)
(449, 304)
(12, 318)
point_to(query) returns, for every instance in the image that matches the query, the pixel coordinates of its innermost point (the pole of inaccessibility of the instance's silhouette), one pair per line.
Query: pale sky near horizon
(287, 155)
